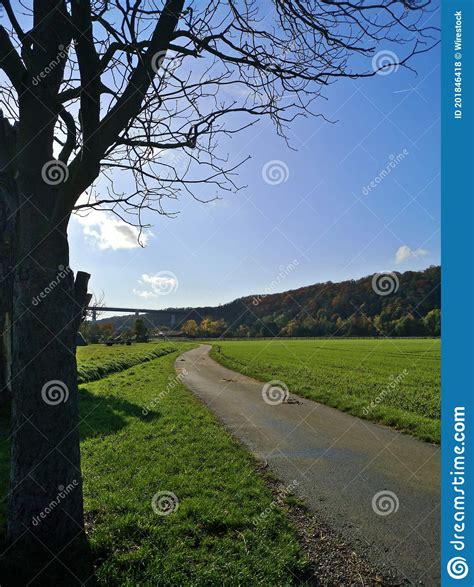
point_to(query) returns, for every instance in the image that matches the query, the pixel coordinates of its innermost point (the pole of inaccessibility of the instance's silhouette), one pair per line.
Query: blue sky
(318, 224)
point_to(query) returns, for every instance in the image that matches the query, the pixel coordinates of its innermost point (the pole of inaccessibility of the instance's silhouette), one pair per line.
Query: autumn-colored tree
(213, 328)
(190, 328)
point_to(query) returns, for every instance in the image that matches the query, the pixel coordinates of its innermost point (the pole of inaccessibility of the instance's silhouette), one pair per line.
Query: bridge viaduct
(170, 317)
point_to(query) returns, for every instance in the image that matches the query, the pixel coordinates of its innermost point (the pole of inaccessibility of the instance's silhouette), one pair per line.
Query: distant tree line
(410, 325)
(349, 308)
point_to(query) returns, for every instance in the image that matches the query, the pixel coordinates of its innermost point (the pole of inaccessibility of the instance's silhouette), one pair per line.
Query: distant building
(169, 334)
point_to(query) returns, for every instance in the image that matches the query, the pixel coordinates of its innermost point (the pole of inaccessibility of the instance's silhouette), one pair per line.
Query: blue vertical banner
(457, 475)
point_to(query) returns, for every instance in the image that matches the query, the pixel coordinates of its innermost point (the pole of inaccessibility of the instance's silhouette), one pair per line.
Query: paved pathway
(340, 463)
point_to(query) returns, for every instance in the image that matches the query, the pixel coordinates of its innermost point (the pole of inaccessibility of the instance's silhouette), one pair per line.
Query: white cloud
(404, 253)
(148, 295)
(160, 280)
(109, 232)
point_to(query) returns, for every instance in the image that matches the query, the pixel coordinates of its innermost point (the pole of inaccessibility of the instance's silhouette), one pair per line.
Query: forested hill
(348, 308)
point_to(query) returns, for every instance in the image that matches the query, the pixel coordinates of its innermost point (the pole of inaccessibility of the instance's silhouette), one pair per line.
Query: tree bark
(7, 222)
(46, 508)
(8, 208)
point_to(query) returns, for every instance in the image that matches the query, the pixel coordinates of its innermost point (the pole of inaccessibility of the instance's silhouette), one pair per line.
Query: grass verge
(393, 382)
(97, 361)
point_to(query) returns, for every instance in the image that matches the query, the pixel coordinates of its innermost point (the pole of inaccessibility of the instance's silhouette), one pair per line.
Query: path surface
(340, 463)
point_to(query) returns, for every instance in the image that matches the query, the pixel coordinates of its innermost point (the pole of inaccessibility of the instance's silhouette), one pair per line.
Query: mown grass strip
(177, 447)
(98, 361)
(393, 382)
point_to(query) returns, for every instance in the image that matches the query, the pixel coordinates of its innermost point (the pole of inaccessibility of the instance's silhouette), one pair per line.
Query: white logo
(457, 567)
(157, 62)
(275, 392)
(385, 62)
(385, 503)
(164, 503)
(275, 172)
(55, 172)
(55, 392)
(385, 284)
(164, 283)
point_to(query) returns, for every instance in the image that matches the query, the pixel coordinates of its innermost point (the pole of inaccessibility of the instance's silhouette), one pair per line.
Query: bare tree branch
(147, 88)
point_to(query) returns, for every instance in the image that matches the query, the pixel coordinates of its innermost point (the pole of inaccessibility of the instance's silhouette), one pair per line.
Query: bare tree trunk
(8, 209)
(46, 505)
(7, 218)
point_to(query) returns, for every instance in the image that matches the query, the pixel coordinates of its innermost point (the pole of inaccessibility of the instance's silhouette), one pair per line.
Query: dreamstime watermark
(394, 161)
(457, 567)
(282, 275)
(282, 494)
(385, 283)
(172, 383)
(55, 172)
(62, 273)
(162, 283)
(63, 492)
(55, 392)
(275, 392)
(275, 172)
(392, 385)
(385, 62)
(164, 503)
(385, 503)
(158, 63)
(62, 54)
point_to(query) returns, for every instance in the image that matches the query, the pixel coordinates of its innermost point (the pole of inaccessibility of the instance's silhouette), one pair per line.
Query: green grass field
(144, 433)
(392, 381)
(96, 361)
